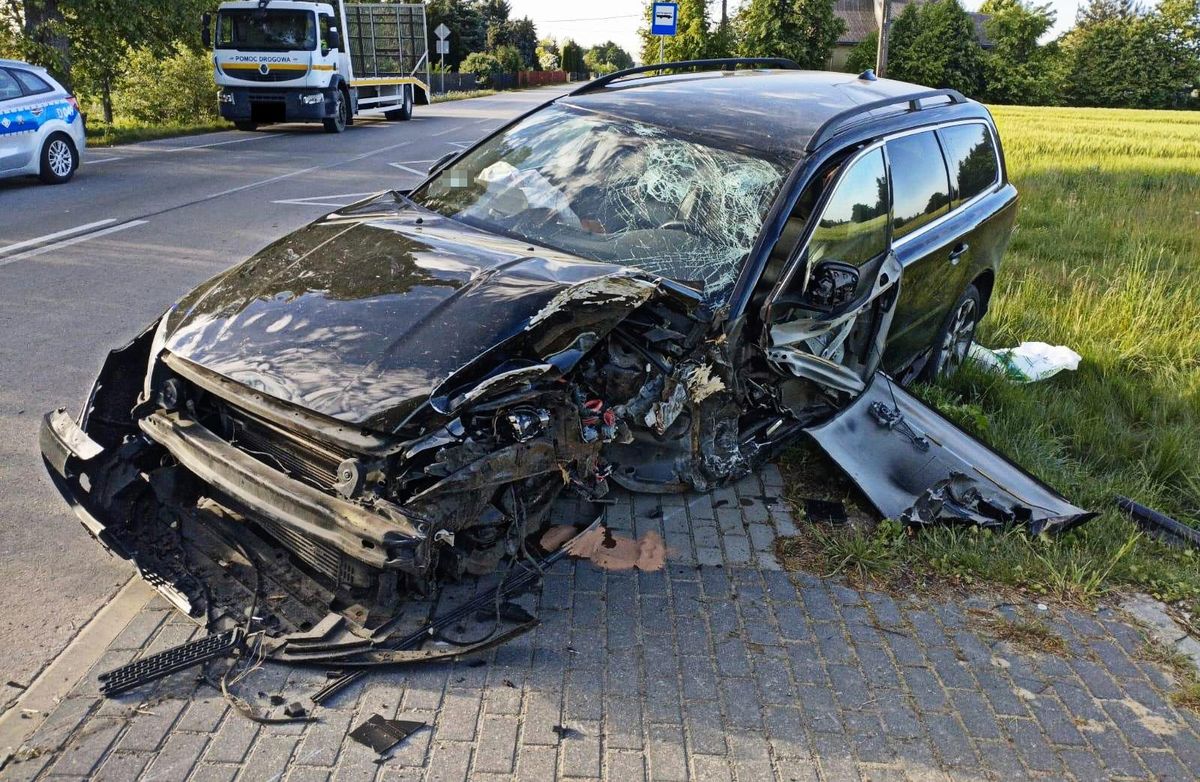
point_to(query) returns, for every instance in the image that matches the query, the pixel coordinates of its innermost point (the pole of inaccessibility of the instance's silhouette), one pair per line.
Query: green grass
(461, 95)
(1105, 259)
(125, 132)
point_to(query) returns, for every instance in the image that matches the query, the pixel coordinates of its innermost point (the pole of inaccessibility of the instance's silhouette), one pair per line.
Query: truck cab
(296, 61)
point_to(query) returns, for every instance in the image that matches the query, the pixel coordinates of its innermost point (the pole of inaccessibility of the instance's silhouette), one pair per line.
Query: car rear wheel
(59, 159)
(341, 114)
(245, 124)
(954, 340)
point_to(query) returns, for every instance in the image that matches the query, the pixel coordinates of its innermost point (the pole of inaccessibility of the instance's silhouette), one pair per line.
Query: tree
(1117, 55)
(493, 12)
(465, 22)
(1018, 69)
(934, 44)
(548, 54)
(572, 57)
(862, 57)
(606, 58)
(483, 65)
(801, 30)
(509, 58)
(523, 35)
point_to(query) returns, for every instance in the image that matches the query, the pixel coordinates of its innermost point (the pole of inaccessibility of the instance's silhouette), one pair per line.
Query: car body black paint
(460, 380)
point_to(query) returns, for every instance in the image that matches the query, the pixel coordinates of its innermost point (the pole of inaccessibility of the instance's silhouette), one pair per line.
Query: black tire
(954, 339)
(341, 114)
(245, 124)
(59, 159)
(403, 113)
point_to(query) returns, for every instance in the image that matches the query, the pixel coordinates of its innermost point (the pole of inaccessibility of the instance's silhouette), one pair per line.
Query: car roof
(19, 64)
(775, 112)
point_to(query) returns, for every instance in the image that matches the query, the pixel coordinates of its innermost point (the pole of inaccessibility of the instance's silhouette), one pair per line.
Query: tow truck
(298, 61)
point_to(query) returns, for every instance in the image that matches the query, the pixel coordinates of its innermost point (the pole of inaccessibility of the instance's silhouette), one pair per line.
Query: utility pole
(885, 29)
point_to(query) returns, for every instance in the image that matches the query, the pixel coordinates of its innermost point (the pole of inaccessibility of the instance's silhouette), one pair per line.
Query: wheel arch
(985, 283)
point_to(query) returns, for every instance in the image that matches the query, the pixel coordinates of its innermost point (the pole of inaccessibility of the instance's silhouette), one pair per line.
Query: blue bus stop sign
(665, 20)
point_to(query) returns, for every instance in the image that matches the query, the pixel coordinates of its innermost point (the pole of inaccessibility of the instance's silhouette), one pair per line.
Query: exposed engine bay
(618, 379)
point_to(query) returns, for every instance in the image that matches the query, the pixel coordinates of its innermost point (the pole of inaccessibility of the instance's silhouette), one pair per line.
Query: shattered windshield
(614, 191)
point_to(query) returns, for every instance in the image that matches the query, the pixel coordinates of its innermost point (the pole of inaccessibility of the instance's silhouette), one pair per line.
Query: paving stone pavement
(723, 667)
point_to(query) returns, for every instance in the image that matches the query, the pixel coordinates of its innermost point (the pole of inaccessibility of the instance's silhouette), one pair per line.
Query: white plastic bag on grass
(1027, 362)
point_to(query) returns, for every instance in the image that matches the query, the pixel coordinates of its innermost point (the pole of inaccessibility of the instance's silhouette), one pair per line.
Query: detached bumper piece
(159, 666)
(916, 466)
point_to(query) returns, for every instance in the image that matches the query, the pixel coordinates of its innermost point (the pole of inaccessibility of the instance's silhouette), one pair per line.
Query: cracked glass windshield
(614, 191)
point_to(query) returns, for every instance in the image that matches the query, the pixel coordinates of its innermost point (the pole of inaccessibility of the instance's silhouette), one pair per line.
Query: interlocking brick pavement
(722, 667)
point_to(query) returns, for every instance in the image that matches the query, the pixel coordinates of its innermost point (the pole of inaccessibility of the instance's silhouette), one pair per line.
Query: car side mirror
(831, 285)
(441, 162)
(206, 30)
(334, 39)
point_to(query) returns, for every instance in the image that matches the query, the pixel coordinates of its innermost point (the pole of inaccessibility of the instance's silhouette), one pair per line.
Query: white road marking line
(69, 242)
(240, 188)
(343, 199)
(93, 161)
(458, 144)
(403, 167)
(57, 235)
(255, 137)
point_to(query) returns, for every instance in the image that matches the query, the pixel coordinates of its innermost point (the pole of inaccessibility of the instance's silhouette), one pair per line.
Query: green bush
(175, 90)
(483, 65)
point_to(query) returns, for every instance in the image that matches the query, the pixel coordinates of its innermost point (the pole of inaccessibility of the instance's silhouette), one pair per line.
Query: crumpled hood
(361, 314)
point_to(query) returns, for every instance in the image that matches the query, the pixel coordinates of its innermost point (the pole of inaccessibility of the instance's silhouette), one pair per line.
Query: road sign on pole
(664, 21)
(443, 48)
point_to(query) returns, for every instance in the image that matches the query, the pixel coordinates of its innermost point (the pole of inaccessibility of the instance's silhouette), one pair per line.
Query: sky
(590, 23)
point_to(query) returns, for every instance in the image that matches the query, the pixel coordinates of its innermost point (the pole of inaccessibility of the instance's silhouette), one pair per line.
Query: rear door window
(971, 158)
(9, 88)
(853, 227)
(920, 186)
(32, 83)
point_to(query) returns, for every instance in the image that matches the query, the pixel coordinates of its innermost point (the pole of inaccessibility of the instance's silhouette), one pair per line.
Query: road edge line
(72, 664)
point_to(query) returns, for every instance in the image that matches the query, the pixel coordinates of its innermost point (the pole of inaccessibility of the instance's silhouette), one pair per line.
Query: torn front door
(916, 466)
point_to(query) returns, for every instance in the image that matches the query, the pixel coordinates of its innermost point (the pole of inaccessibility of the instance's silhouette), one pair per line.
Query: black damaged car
(655, 281)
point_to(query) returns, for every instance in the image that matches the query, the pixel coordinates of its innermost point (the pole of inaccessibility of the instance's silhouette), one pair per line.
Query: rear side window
(920, 188)
(853, 227)
(971, 158)
(32, 83)
(8, 86)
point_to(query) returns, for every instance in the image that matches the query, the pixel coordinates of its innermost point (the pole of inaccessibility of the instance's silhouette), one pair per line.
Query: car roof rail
(723, 63)
(840, 121)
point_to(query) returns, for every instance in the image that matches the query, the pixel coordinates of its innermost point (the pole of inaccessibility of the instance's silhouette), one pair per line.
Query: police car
(41, 127)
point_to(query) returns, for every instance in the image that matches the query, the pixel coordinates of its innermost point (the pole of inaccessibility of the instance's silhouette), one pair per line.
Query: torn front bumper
(67, 452)
(916, 466)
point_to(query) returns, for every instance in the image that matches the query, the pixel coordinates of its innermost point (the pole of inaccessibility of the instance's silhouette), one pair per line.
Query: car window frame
(954, 210)
(931, 130)
(792, 264)
(996, 181)
(12, 71)
(20, 87)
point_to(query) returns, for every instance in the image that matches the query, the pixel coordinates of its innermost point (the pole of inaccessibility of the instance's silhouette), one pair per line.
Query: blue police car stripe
(28, 119)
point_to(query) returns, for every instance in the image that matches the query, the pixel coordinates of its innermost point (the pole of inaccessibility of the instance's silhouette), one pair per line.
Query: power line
(592, 19)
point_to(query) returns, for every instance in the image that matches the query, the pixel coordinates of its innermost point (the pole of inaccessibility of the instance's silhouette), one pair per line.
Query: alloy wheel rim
(958, 338)
(59, 157)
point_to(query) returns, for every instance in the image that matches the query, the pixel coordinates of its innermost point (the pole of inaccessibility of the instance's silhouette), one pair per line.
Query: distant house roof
(862, 19)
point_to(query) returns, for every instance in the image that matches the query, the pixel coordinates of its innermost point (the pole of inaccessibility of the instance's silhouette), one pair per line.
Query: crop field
(1106, 260)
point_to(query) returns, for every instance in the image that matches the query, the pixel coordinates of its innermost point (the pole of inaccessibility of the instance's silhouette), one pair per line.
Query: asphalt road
(84, 266)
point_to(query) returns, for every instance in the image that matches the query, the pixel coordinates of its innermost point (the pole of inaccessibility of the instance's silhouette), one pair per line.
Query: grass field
(1105, 259)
